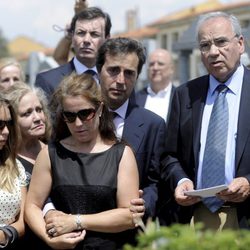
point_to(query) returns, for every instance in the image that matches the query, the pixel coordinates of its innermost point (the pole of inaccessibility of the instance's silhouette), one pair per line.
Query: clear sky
(36, 18)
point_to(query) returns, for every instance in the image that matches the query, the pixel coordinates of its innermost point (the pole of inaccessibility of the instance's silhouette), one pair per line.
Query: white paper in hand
(206, 192)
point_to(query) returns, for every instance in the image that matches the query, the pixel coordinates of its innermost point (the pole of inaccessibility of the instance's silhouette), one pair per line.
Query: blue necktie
(213, 168)
(93, 74)
(90, 72)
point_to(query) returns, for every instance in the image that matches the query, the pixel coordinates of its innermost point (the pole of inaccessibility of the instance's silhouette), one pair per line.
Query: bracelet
(13, 232)
(11, 235)
(7, 237)
(78, 222)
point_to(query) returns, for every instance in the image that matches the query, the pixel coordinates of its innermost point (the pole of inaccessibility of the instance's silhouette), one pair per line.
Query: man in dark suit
(119, 63)
(89, 29)
(157, 96)
(221, 44)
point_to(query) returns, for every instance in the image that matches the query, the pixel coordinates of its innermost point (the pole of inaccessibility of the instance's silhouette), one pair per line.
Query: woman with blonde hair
(12, 182)
(34, 130)
(10, 72)
(33, 117)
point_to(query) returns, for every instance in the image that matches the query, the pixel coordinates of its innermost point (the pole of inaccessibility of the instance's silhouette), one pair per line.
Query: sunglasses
(83, 115)
(5, 123)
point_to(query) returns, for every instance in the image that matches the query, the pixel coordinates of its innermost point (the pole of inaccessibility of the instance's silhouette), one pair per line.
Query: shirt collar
(121, 111)
(162, 92)
(233, 83)
(81, 68)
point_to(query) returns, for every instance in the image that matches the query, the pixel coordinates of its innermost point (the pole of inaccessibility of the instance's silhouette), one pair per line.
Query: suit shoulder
(141, 91)
(141, 96)
(148, 116)
(194, 83)
(54, 71)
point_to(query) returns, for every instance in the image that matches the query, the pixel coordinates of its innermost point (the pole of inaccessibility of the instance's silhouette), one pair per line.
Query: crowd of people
(86, 160)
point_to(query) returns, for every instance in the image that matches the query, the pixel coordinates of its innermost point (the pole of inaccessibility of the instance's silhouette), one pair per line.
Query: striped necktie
(213, 168)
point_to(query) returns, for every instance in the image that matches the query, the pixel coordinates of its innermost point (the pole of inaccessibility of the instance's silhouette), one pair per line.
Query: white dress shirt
(119, 119)
(159, 102)
(234, 84)
(81, 68)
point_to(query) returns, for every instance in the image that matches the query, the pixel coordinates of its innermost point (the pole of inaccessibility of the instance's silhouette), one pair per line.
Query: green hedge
(182, 237)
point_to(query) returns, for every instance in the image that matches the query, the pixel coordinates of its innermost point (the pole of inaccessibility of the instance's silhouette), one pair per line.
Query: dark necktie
(213, 168)
(93, 74)
(90, 72)
(113, 114)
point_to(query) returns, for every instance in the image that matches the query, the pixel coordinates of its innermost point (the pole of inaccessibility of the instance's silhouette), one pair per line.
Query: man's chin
(115, 102)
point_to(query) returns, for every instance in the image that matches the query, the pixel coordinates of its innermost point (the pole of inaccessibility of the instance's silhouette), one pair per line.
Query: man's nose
(121, 77)
(213, 49)
(87, 37)
(155, 66)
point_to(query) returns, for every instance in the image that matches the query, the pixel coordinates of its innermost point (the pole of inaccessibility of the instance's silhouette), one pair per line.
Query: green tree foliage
(3, 46)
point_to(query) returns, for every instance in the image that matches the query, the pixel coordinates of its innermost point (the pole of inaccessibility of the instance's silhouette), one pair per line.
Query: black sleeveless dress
(86, 183)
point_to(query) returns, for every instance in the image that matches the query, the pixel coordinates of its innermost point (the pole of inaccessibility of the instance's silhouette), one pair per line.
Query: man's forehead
(95, 23)
(215, 24)
(121, 59)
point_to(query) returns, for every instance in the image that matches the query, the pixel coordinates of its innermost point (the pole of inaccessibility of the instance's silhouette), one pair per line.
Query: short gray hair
(236, 27)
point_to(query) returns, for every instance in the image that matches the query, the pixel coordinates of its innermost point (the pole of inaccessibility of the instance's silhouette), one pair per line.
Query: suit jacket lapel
(132, 124)
(170, 102)
(198, 98)
(69, 68)
(243, 120)
(141, 97)
(132, 132)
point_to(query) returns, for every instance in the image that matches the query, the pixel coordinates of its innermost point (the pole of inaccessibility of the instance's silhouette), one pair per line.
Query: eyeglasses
(220, 42)
(5, 123)
(83, 115)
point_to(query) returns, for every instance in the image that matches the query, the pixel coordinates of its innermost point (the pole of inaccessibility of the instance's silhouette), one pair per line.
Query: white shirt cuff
(48, 206)
(182, 180)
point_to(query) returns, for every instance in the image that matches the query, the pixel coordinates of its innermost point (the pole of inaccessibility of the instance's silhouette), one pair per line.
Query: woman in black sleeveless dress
(90, 175)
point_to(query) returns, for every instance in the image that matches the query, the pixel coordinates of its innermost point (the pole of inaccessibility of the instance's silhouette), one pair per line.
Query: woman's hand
(66, 241)
(60, 224)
